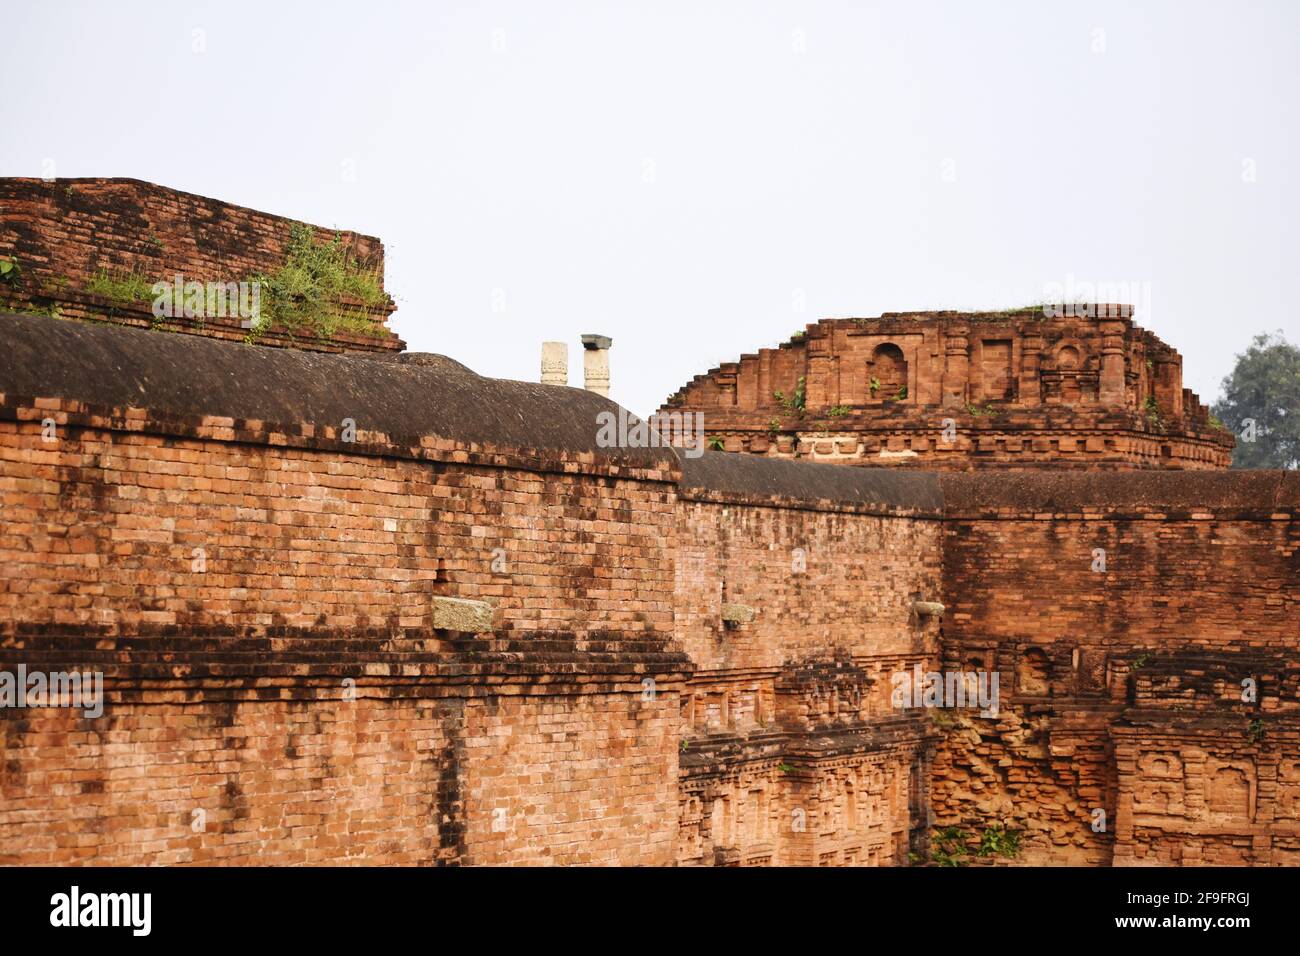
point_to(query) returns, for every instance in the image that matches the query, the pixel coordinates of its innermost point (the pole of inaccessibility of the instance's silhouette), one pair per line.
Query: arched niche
(1068, 357)
(1229, 791)
(888, 367)
(1032, 674)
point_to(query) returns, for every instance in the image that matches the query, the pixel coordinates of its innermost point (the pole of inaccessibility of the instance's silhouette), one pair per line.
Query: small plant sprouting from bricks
(948, 847)
(785, 767)
(686, 745)
(902, 393)
(941, 718)
(120, 288)
(309, 293)
(10, 271)
(716, 444)
(1141, 661)
(1153, 416)
(796, 401)
(1255, 731)
(838, 411)
(799, 336)
(874, 386)
(976, 411)
(998, 840)
(773, 425)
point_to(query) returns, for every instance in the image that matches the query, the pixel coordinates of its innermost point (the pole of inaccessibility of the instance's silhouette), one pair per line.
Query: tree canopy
(1261, 404)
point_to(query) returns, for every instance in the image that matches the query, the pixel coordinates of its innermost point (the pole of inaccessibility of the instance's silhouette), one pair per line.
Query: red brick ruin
(1064, 386)
(357, 605)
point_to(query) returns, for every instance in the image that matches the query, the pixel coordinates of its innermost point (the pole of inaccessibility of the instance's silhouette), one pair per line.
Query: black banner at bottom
(333, 906)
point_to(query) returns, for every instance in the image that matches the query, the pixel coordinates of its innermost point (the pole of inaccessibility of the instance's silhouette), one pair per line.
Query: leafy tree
(1264, 388)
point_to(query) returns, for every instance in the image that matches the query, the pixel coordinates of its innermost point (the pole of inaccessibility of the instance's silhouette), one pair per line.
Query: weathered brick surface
(1123, 687)
(573, 780)
(263, 619)
(947, 390)
(262, 782)
(792, 751)
(565, 734)
(258, 588)
(63, 232)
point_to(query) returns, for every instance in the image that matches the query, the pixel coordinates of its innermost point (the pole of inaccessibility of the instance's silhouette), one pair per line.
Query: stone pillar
(1112, 364)
(555, 363)
(595, 363)
(956, 369)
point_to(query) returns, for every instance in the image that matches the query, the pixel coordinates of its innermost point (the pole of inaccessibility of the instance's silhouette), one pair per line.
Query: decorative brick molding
(947, 390)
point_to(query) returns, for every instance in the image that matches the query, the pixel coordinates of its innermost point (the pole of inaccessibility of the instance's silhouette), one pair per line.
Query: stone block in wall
(738, 614)
(462, 614)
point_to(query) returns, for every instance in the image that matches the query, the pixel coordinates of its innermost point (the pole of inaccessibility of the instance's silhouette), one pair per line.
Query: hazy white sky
(700, 179)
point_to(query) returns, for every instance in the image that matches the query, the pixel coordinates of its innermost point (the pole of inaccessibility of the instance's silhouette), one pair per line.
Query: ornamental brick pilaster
(956, 369)
(1112, 363)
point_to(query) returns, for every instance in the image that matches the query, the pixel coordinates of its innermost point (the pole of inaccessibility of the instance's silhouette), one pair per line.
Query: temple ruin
(355, 605)
(1053, 386)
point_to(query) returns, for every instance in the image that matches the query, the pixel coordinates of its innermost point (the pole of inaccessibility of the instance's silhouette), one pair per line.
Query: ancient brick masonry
(1072, 387)
(371, 607)
(792, 751)
(65, 232)
(685, 660)
(1145, 630)
(259, 594)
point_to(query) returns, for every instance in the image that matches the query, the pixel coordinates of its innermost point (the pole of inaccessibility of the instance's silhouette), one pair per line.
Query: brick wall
(64, 232)
(253, 782)
(257, 592)
(1107, 670)
(831, 573)
(316, 569)
(258, 598)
